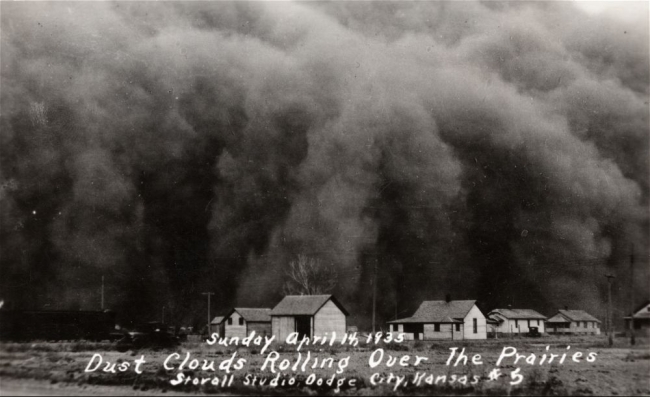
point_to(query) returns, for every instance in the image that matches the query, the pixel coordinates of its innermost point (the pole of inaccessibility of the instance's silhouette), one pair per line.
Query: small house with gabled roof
(309, 315)
(240, 322)
(517, 321)
(573, 322)
(448, 319)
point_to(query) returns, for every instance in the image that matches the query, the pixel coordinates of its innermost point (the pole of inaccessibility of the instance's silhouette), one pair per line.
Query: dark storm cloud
(498, 150)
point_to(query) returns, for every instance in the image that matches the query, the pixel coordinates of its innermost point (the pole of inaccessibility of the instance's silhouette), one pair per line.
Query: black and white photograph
(435, 197)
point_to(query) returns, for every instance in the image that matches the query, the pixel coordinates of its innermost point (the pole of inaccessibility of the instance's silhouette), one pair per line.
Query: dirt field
(59, 368)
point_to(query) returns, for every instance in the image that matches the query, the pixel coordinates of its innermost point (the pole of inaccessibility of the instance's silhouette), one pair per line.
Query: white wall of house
(472, 332)
(518, 326)
(329, 319)
(234, 326)
(406, 335)
(445, 331)
(577, 327)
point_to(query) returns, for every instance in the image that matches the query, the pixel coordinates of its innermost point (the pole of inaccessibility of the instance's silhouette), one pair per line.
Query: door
(303, 326)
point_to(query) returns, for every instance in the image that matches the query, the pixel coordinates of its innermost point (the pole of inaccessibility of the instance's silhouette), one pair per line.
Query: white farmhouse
(454, 320)
(516, 321)
(573, 322)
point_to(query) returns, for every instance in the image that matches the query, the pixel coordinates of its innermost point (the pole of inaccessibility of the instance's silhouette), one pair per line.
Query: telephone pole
(609, 308)
(102, 292)
(209, 319)
(374, 295)
(632, 337)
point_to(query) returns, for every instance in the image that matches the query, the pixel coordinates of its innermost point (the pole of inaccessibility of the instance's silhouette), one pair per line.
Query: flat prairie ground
(46, 368)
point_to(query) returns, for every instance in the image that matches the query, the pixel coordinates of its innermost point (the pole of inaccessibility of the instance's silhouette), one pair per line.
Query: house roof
(558, 318)
(253, 315)
(304, 305)
(217, 320)
(572, 315)
(518, 314)
(439, 312)
(441, 320)
(642, 311)
(438, 309)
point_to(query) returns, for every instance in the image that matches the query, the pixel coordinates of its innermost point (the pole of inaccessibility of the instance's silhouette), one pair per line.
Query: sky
(496, 151)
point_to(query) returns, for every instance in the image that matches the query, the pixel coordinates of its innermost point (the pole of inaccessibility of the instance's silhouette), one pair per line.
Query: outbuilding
(216, 325)
(240, 322)
(309, 315)
(448, 319)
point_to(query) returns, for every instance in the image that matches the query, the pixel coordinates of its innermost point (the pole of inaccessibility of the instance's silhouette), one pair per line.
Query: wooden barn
(516, 321)
(573, 322)
(309, 315)
(240, 322)
(454, 320)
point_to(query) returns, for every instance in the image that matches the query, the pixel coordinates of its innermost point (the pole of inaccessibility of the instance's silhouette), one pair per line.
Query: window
(458, 327)
(516, 323)
(475, 326)
(528, 323)
(230, 321)
(436, 327)
(537, 322)
(395, 327)
(241, 321)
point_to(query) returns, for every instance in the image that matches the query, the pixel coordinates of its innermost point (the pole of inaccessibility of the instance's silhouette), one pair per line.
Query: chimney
(566, 307)
(510, 307)
(448, 298)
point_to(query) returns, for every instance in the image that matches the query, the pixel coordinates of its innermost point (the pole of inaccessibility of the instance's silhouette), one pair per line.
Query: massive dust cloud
(494, 151)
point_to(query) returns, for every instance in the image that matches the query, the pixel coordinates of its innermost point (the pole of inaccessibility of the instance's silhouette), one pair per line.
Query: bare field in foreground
(59, 367)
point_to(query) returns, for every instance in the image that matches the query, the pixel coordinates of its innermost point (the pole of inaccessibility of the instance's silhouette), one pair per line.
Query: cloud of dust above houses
(495, 150)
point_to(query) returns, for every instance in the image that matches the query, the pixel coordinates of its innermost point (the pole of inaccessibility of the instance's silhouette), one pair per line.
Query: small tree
(309, 276)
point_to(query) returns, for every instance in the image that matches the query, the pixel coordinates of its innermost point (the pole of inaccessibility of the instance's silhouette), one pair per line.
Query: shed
(573, 322)
(517, 321)
(309, 315)
(448, 319)
(240, 322)
(216, 325)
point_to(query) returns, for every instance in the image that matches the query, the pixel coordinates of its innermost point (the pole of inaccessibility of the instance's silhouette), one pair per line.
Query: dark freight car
(56, 325)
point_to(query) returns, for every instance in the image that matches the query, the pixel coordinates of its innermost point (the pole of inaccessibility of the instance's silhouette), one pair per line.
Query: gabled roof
(252, 315)
(304, 305)
(573, 315)
(518, 314)
(558, 318)
(439, 311)
(217, 320)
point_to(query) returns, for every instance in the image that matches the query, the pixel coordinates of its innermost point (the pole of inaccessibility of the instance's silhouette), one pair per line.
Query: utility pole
(374, 295)
(102, 292)
(609, 308)
(209, 319)
(632, 337)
